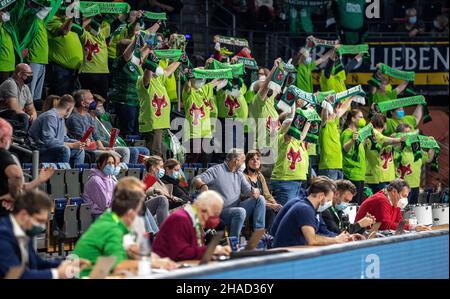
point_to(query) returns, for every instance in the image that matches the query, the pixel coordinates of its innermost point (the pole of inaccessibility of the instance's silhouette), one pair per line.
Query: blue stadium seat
(76, 200)
(195, 165)
(27, 165)
(58, 217)
(82, 165)
(185, 165)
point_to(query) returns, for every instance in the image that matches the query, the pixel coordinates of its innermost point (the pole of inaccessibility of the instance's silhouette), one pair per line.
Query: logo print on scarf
(231, 104)
(300, 122)
(386, 156)
(272, 125)
(279, 75)
(293, 157)
(314, 128)
(158, 103)
(91, 49)
(404, 170)
(197, 113)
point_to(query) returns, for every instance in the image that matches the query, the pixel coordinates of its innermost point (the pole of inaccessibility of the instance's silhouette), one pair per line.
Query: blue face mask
(161, 173)
(92, 106)
(176, 175)
(342, 206)
(117, 170)
(400, 114)
(413, 20)
(108, 170)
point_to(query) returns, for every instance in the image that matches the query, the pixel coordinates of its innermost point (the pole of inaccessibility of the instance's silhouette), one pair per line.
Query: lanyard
(198, 231)
(339, 219)
(388, 197)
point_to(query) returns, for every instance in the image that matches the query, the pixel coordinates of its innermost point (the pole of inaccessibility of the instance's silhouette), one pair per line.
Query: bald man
(181, 235)
(16, 95)
(11, 175)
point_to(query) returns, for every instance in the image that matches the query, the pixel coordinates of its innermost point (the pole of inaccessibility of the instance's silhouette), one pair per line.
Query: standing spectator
(171, 7)
(49, 133)
(351, 21)
(413, 26)
(440, 26)
(7, 55)
(16, 95)
(256, 179)
(228, 180)
(65, 55)
(99, 188)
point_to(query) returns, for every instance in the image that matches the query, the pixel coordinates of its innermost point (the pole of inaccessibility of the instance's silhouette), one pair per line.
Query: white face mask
(262, 78)
(235, 93)
(199, 84)
(6, 17)
(242, 168)
(402, 203)
(308, 60)
(325, 206)
(159, 71)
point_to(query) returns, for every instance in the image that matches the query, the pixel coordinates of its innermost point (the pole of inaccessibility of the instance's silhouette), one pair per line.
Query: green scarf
(291, 95)
(353, 49)
(402, 75)
(317, 42)
(248, 63)
(105, 7)
(173, 54)
(6, 3)
(402, 102)
(233, 41)
(363, 134)
(351, 92)
(158, 16)
(412, 141)
(427, 142)
(213, 74)
(237, 69)
(301, 117)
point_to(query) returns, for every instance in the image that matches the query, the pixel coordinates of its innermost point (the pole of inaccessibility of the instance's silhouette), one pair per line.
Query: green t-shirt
(379, 96)
(119, 34)
(124, 78)
(103, 238)
(7, 56)
(154, 103)
(264, 113)
(95, 58)
(387, 173)
(38, 49)
(353, 170)
(304, 76)
(171, 82)
(391, 124)
(330, 146)
(409, 170)
(230, 107)
(198, 112)
(292, 160)
(373, 161)
(312, 149)
(351, 13)
(335, 82)
(64, 50)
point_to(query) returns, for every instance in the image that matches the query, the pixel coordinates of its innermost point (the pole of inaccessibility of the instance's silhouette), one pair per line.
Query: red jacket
(177, 239)
(379, 206)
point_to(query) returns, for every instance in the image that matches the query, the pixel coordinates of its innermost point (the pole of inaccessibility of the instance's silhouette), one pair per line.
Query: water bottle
(412, 221)
(145, 262)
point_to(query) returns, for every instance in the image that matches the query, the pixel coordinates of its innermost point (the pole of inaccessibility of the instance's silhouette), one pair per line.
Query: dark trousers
(127, 117)
(96, 83)
(270, 217)
(359, 197)
(377, 187)
(413, 196)
(61, 80)
(154, 141)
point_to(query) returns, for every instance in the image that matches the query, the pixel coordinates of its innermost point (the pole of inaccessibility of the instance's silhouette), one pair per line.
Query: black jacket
(178, 191)
(332, 223)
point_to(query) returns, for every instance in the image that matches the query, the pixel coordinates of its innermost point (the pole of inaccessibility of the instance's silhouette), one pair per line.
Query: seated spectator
(440, 26)
(49, 133)
(12, 182)
(99, 188)
(17, 231)
(16, 95)
(79, 122)
(412, 26)
(386, 206)
(105, 236)
(158, 196)
(228, 180)
(103, 128)
(256, 179)
(300, 224)
(333, 216)
(181, 236)
(172, 176)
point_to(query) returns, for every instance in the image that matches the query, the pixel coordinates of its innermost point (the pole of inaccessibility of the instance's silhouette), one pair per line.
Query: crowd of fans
(292, 178)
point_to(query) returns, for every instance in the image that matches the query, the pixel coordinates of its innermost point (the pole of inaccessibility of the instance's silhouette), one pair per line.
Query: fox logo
(158, 103)
(404, 170)
(91, 49)
(279, 75)
(272, 125)
(386, 156)
(196, 113)
(209, 104)
(294, 157)
(231, 104)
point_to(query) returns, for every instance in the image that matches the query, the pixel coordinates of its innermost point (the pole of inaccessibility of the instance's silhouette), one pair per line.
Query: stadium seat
(196, 165)
(27, 165)
(85, 176)
(185, 165)
(57, 186)
(72, 178)
(423, 197)
(85, 217)
(136, 172)
(82, 166)
(70, 228)
(76, 201)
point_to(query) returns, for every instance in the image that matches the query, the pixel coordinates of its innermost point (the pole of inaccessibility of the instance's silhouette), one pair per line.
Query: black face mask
(28, 80)
(269, 93)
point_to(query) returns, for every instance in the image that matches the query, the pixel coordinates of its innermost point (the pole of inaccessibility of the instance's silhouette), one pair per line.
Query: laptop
(374, 231)
(102, 267)
(211, 247)
(249, 249)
